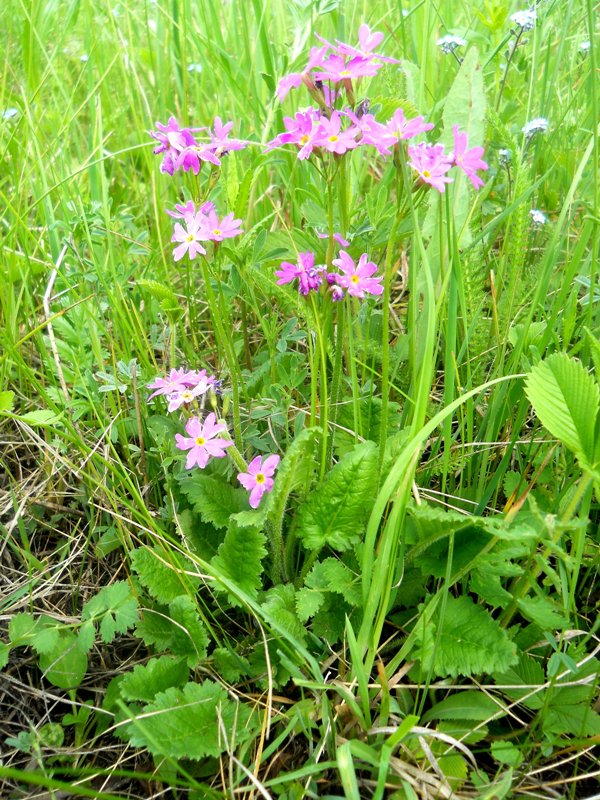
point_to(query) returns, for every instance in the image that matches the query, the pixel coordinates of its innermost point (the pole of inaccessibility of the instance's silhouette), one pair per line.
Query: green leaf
(164, 580)
(464, 705)
(229, 665)
(177, 628)
(240, 558)
(4, 654)
(335, 513)
(526, 672)
(41, 417)
(507, 753)
(22, 628)
(578, 720)
(333, 576)
(158, 675)
(543, 612)
(6, 401)
(471, 641)
(565, 397)
(188, 723)
(280, 603)
(213, 499)
(293, 472)
(65, 665)
(308, 602)
(115, 608)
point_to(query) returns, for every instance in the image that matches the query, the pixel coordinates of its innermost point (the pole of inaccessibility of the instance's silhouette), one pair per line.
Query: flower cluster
(200, 225)
(353, 279)
(537, 125)
(343, 64)
(182, 150)
(182, 387)
(449, 43)
(525, 20)
(431, 162)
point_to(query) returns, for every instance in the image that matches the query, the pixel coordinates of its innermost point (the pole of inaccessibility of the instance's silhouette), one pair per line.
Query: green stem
(324, 410)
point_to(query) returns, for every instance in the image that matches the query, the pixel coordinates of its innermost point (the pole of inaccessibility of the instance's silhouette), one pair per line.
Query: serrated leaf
(21, 628)
(114, 608)
(280, 603)
(464, 705)
(177, 628)
(333, 576)
(471, 642)
(41, 417)
(294, 469)
(6, 401)
(158, 675)
(159, 291)
(188, 723)
(543, 613)
(308, 602)
(528, 673)
(240, 558)
(507, 753)
(578, 720)
(64, 666)
(164, 581)
(565, 397)
(335, 512)
(229, 665)
(213, 499)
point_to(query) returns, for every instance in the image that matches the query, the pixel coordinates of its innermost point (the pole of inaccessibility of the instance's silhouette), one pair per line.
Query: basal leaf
(158, 675)
(332, 575)
(194, 722)
(6, 401)
(114, 608)
(240, 558)
(280, 603)
(565, 397)
(336, 511)
(212, 498)
(464, 705)
(471, 642)
(164, 580)
(64, 666)
(543, 612)
(177, 628)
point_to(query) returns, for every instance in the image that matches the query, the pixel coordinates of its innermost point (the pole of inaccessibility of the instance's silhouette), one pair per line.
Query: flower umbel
(259, 478)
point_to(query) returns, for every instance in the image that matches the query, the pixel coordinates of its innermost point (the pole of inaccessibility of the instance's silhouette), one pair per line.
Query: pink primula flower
(431, 163)
(201, 442)
(192, 158)
(332, 138)
(357, 279)
(295, 79)
(216, 230)
(172, 140)
(259, 478)
(175, 381)
(309, 277)
(336, 69)
(190, 238)
(220, 140)
(468, 160)
(337, 236)
(187, 395)
(401, 128)
(367, 42)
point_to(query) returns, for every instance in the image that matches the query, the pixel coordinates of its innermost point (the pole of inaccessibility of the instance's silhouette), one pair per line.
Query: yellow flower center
(216, 232)
(187, 396)
(333, 138)
(260, 478)
(200, 440)
(304, 139)
(345, 73)
(426, 173)
(354, 279)
(190, 238)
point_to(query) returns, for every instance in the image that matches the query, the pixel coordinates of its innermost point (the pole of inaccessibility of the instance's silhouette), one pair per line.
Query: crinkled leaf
(164, 580)
(6, 401)
(177, 628)
(188, 723)
(65, 665)
(332, 575)
(471, 642)
(308, 602)
(280, 603)
(212, 498)
(336, 511)
(158, 675)
(229, 665)
(240, 558)
(565, 397)
(543, 612)
(115, 608)
(464, 705)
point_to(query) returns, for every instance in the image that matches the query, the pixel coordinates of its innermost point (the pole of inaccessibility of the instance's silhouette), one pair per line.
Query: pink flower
(372, 132)
(188, 210)
(302, 130)
(190, 237)
(332, 138)
(175, 380)
(295, 79)
(357, 279)
(193, 156)
(337, 236)
(401, 128)
(309, 277)
(186, 394)
(259, 478)
(201, 442)
(171, 141)
(216, 230)
(467, 160)
(367, 42)
(336, 69)
(432, 164)
(220, 140)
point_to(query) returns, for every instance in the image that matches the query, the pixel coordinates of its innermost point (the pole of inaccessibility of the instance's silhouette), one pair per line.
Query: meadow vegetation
(299, 415)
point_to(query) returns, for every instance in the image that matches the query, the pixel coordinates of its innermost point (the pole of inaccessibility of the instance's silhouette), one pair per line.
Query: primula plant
(323, 409)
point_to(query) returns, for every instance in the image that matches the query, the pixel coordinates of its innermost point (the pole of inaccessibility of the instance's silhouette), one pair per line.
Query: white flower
(194, 67)
(10, 113)
(524, 19)
(449, 43)
(504, 156)
(537, 125)
(584, 47)
(538, 218)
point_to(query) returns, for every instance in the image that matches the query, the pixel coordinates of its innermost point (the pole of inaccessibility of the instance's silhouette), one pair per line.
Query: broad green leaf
(332, 575)
(578, 720)
(41, 417)
(471, 642)
(158, 675)
(6, 401)
(507, 753)
(177, 628)
(229, 665)
(308, 602)
(464, 705)
(213, 499)
(543, 612)
(280, 602)
(64, 666)
(565, 397)
(21, 628)
(164, 581)
(336, 511)
(4, 654)
(526, 672)
(115, 608)
(188, 723)
(240, 558)
(159, 291)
